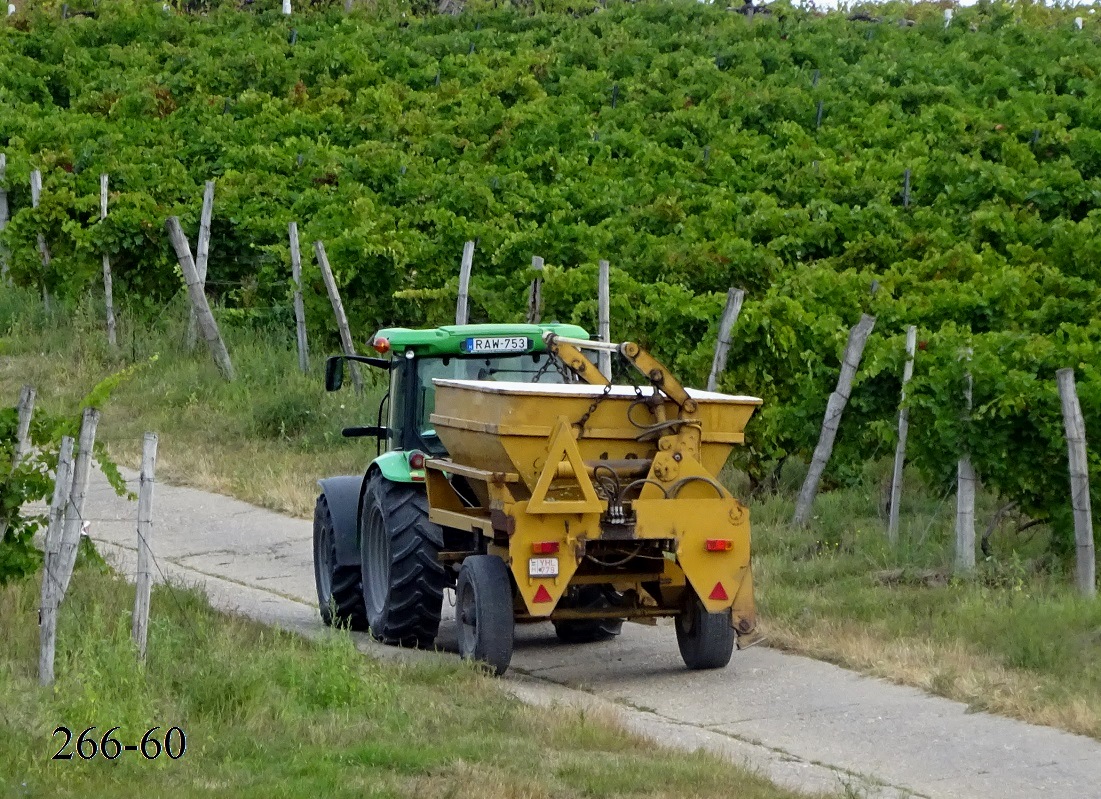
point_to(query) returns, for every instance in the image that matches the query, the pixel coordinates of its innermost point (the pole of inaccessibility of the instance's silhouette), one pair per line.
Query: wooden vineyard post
(74, 509)
(202, 251)
(299, 306)
(462, 312)
(144, 582)
(195, 293)
(1075, 426)
(25, 411)
(603, 317)
(858, 337)
(965, 492)
(338, 311)
(3, 214)
(733, 309)
(535, 292)
(47, 619)
(903, 431)
(43, 248)
(108, 292)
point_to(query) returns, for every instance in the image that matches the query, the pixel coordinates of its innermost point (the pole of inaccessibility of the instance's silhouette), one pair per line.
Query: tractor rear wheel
(339, 588)
(587, 631)
(403, 580)
(706, 640)
(483, 612)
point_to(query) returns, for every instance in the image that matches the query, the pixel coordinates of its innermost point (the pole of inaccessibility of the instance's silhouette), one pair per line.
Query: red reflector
(542, 595)
(544, 547)
(719, 545)
(416, 460)
(718, 593)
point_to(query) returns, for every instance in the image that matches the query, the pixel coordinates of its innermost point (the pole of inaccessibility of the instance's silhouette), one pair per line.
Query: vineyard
(946, 176)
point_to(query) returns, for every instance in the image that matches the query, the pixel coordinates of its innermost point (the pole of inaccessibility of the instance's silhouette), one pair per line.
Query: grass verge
(1014, 640)
(296, 718)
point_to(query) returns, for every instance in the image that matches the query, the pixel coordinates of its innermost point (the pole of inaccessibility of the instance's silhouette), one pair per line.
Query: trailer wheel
(483, 612)
(586, 631)
(403, 580)
(706, 640)
(339, 588)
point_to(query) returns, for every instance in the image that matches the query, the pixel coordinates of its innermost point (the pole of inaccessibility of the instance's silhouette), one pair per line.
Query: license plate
(478, 346)
(542, 567)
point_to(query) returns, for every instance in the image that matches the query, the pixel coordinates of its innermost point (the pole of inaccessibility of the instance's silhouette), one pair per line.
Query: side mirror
(334, 372)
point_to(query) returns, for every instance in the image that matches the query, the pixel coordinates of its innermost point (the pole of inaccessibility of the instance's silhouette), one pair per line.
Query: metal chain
(580, 423)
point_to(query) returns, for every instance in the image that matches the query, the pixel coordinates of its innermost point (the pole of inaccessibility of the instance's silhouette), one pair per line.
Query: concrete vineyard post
(338, 311)
(299, 306)
(462, 313)
(74, 509)
(1075, 426)
(195, 293)
(965, 492)
(535, 292)
(202, 251)
(43, 248)
(3, 214)
(108, 291)
(733, 309)
(604, 322)
(903, 431)
(50, 598)
(858, 337)
(144, 582)
(25, 410)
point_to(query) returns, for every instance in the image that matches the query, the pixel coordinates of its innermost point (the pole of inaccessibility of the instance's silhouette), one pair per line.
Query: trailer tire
(587, 631)
(403, 580)
(706, 640)
(339, 588)
(483, 612)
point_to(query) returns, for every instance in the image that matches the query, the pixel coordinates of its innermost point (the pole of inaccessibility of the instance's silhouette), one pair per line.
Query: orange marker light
(381, 344)
(544, 547)
(719, 545)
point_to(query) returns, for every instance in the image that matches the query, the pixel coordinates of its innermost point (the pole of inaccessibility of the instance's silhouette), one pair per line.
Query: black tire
(587, 631)
(403, 580)
(483, 612)
(339, 588)
(706, 640)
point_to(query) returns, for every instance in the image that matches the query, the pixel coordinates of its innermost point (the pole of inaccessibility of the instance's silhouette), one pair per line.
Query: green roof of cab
(447, 340)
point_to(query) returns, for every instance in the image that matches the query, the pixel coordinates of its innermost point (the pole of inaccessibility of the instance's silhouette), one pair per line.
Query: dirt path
(803, 723)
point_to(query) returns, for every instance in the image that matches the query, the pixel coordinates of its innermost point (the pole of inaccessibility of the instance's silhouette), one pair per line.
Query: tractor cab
(490, 352)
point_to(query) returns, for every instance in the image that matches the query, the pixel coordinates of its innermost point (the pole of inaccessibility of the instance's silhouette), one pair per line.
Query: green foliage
(395, 138)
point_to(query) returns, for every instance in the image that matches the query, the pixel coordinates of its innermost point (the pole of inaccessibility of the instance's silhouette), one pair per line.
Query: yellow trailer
(587, 504)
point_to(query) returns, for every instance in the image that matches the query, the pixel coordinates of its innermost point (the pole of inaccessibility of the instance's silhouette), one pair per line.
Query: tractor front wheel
(483, 611)
(706, 640)
(339, 588)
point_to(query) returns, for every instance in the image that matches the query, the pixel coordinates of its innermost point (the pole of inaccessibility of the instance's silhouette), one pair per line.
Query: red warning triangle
(718, 592)
(543, 595)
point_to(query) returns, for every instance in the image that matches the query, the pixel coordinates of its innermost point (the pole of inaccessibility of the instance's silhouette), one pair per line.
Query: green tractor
(377, 556)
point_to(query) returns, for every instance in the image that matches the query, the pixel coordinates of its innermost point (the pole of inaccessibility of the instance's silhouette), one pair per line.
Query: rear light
(381, 344)
(544, 547)
(416, 460)
(719, 545)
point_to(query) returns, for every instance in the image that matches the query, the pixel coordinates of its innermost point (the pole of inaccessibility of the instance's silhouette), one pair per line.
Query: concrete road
(805, 724)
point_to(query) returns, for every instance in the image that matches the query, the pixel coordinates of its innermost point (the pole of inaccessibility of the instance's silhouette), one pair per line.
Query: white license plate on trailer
(542, 567)
(496, 344)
